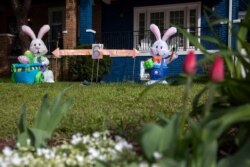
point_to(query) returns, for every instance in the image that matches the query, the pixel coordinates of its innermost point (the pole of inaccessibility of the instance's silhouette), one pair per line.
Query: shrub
(81, 67)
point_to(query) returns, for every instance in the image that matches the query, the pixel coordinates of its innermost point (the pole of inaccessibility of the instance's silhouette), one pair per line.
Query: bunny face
(160, 47)
(38, 48)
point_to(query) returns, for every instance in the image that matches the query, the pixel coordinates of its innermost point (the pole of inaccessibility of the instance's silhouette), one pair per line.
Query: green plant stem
(184, 103)
(210, 99)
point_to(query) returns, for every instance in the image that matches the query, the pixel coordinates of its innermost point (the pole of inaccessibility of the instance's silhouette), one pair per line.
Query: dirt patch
(7, 143)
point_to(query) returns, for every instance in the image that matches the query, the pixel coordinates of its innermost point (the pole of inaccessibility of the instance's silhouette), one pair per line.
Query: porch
(143, 40)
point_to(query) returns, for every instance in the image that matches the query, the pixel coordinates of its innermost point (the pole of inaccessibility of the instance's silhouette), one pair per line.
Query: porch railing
(142, 40)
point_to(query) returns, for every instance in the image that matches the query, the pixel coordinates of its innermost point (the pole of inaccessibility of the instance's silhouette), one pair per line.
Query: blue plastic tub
(26, 73)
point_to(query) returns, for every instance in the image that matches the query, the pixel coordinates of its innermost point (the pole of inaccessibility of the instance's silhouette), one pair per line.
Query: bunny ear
(156, 31)
(171, 31)
(27, 30)
(43, 30)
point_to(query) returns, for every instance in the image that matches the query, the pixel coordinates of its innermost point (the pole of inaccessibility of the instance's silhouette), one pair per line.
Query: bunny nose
(37, 47)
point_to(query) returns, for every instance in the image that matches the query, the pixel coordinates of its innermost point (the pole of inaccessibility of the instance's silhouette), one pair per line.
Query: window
(185, 15)
(57, 25)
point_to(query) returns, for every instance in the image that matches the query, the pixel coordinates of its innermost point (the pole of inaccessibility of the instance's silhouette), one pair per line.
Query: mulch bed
(7, 142)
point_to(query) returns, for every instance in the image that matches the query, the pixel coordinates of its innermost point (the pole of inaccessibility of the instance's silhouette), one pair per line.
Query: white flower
(119, 147)
(39, 152)
(18, 144)
(47, 153)
(122, 144)
(7, 151)
(157, 155)
(143, 164)
(64, 155)
(155, 165)
(16, 160)
(85, 139)
(79, 158)
(96, 135)
(4, 164)
(76, 139)
(28, 141)
(103, 157)
(118, 138)
(94, 153)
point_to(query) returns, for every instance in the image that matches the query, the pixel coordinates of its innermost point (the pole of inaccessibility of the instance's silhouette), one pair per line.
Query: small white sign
(96, 51)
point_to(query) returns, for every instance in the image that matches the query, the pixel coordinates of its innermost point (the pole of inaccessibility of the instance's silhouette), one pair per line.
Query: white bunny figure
(161, 53)
(39, 49)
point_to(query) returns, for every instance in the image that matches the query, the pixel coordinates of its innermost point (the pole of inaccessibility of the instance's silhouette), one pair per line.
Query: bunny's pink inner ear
(171, 31)
(156, 31)
(43, 30)
(27, 30)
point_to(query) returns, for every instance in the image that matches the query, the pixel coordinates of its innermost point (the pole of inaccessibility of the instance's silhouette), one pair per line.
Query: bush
(81, 67)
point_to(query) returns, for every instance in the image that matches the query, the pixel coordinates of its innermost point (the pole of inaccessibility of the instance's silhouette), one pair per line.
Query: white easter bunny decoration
(39, 49)
(162, 55)
(160, 46)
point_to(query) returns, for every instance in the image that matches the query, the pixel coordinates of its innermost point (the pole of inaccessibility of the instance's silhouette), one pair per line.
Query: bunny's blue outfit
(159, 71)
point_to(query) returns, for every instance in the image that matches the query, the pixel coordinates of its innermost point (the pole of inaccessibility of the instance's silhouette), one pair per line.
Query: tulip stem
(210, 99)
(184, 102)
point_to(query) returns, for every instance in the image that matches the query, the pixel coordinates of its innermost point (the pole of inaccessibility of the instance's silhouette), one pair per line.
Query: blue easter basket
(27, 73)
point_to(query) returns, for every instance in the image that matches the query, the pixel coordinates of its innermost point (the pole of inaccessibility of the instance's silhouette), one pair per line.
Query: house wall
(6, 42)
(85, 22)
(123, 68)
(243, 5)
(122, 20)
(97, 16)
(221, 30)
(119, 15)
(38, 16)
(70, 38)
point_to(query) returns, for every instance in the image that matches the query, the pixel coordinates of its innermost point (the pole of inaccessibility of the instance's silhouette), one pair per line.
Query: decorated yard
(200, 121)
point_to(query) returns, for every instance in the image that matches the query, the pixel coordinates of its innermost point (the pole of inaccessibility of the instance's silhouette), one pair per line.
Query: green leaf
(241, 158)
(230, 64)
(151, 139)
(38, 137)
(217, 123)
(192, 39)
(43, 114)
(160, 139)
(22, 124)
(58, 109)
(101, 164)
(206, 153)
(212, 40)
(237, 90)
(197, 98)
(243, 30)
(22, 138)
(167, 162)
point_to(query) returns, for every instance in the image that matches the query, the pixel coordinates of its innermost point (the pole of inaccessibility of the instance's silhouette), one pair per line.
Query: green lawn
(120, 107)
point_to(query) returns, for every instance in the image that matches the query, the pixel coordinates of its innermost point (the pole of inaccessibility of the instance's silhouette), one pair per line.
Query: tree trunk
(21, 10)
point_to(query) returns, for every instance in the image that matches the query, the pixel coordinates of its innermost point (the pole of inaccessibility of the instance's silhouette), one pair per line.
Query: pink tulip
(189, 65)
(217, 70)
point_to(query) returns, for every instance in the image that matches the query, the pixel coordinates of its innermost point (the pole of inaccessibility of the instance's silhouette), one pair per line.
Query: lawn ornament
(162, 55)
(27, 73)
(37, 51)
